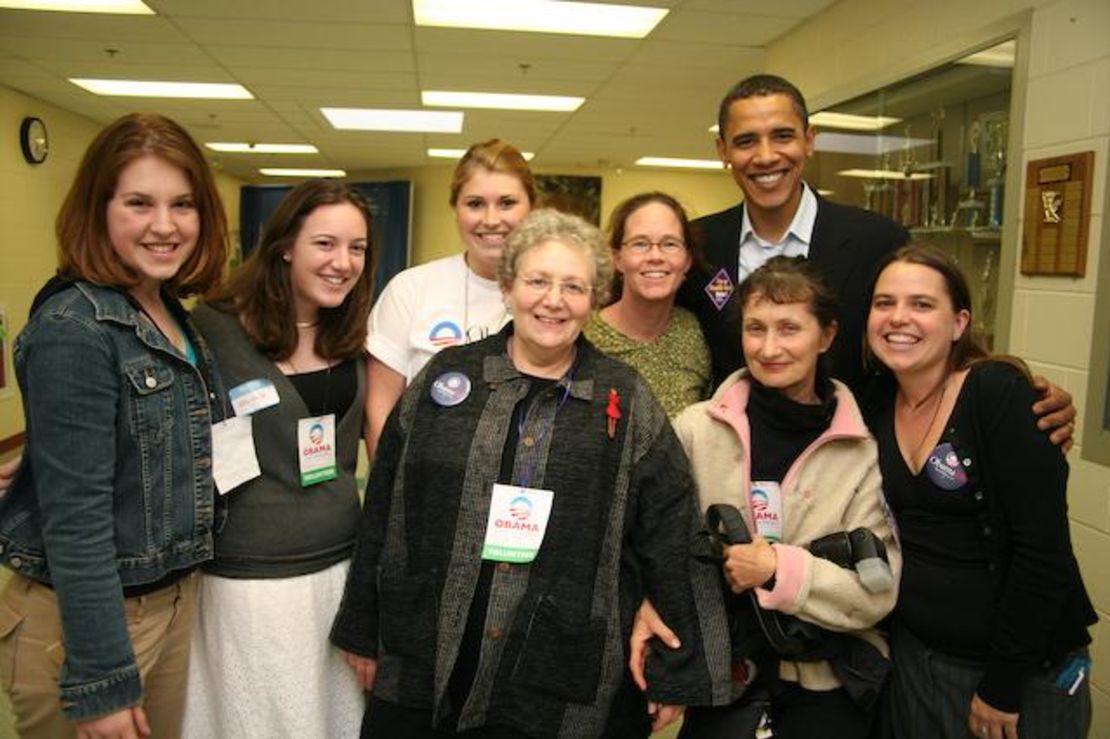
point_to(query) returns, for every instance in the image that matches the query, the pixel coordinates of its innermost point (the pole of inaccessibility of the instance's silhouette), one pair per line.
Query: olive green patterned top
(676, 365)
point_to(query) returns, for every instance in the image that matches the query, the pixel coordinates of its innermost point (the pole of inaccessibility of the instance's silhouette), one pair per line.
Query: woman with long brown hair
(288, 332)
(990, 632)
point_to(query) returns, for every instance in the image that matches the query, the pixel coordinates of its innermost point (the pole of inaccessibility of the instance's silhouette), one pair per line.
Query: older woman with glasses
(527, 494)
(653, 249)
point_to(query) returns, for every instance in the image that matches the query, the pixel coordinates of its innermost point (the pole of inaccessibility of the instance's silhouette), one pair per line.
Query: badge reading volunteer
(450, 389)
(316, 449)
(944, 468)
(517, 523)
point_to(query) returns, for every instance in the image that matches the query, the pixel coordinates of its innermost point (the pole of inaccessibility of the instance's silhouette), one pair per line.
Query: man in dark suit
(764, 140)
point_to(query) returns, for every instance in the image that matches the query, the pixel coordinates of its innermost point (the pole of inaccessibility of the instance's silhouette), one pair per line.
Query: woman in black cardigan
(989, 635)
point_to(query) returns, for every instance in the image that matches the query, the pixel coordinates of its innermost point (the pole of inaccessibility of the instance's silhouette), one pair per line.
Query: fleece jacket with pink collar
(834, 485)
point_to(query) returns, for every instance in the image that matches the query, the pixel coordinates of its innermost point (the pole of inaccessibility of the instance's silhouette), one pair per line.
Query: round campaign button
(944, 468)
(450, 388)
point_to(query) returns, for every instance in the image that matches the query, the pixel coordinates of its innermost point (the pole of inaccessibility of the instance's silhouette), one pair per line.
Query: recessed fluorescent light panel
(458, 153)
(852, 122)
(543, 16)
(121, 7)
(680, 163)
(500, 101)
(416, 121)
(286, 172)
(884, 174)
(242, 147)
(153, 89)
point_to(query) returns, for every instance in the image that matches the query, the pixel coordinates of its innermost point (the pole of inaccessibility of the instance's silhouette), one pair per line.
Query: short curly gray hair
(545, 224)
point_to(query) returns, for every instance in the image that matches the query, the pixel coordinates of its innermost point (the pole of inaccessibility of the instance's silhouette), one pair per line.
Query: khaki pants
(32, 651)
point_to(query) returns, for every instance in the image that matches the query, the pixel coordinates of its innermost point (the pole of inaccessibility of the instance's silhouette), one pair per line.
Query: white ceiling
(650, 97)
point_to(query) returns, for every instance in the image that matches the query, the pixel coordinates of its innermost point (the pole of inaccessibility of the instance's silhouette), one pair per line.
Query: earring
(286, 257)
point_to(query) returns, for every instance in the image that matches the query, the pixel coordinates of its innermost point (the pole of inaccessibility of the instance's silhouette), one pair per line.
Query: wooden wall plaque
(1057, 215)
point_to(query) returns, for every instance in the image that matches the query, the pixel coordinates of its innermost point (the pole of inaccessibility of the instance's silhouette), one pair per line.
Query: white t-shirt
(429, 307)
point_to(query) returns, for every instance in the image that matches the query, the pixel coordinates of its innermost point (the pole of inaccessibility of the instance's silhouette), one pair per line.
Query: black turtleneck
(781, 428)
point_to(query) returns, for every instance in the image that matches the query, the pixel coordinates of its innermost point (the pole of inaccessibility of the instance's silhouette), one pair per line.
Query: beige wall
(29, 200)
(858, 45)
(434, 234)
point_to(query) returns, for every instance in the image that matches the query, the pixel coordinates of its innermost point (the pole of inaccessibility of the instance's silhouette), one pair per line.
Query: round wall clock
(33, 140)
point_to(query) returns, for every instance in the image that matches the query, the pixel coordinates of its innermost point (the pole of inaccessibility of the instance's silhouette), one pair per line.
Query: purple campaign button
(720, 288)
(944, 468)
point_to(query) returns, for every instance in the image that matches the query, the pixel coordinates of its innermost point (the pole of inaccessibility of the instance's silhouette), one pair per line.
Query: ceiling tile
(294, 35)
(722, 28)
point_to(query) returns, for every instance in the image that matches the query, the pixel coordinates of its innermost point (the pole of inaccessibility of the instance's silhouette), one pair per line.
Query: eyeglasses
(569, 289)
(667, 244)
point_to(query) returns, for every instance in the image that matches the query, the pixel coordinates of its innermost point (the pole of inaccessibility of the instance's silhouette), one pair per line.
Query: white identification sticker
(233, 457)
(316, 449)
(767, 509)
(517, 522)
(252, 396)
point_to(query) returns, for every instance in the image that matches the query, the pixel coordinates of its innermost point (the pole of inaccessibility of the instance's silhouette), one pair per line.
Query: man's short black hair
(760, 85)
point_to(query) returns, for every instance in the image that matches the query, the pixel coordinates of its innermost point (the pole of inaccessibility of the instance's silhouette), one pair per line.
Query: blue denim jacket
(116, 485)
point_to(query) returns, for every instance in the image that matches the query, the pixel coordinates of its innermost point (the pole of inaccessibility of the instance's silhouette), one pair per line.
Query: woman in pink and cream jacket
(786, 446)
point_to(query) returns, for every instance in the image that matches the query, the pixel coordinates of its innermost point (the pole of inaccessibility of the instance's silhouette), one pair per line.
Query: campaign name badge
(944, 468)
(234, 460)
(316, 449)
(720, 288)
(450, 389)
(517, 522)
(766, 498)
(253, 396)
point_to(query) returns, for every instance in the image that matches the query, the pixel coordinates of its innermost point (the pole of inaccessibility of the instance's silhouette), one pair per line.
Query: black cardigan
(1019, 478)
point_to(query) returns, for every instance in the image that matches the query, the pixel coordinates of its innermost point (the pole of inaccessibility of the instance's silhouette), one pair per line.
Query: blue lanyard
(537, 437)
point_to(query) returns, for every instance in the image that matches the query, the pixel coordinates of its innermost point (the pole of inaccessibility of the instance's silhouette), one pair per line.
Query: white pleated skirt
(261, 665)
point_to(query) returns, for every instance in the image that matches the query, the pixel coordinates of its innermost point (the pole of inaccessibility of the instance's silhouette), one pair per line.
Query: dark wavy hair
(84, 249)
(260, 292)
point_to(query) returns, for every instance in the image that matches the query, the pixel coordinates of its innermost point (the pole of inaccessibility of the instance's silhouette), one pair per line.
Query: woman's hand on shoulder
(366, 669)
(985, 720)
(749, 566)
(130, 723)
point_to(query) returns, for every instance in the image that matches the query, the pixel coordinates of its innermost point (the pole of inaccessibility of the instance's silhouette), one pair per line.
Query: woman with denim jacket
(111, 510)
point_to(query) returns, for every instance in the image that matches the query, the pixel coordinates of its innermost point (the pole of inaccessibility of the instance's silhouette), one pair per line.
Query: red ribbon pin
(613, 411)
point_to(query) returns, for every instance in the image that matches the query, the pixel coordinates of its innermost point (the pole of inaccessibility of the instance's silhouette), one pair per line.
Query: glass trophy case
(930, 153)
